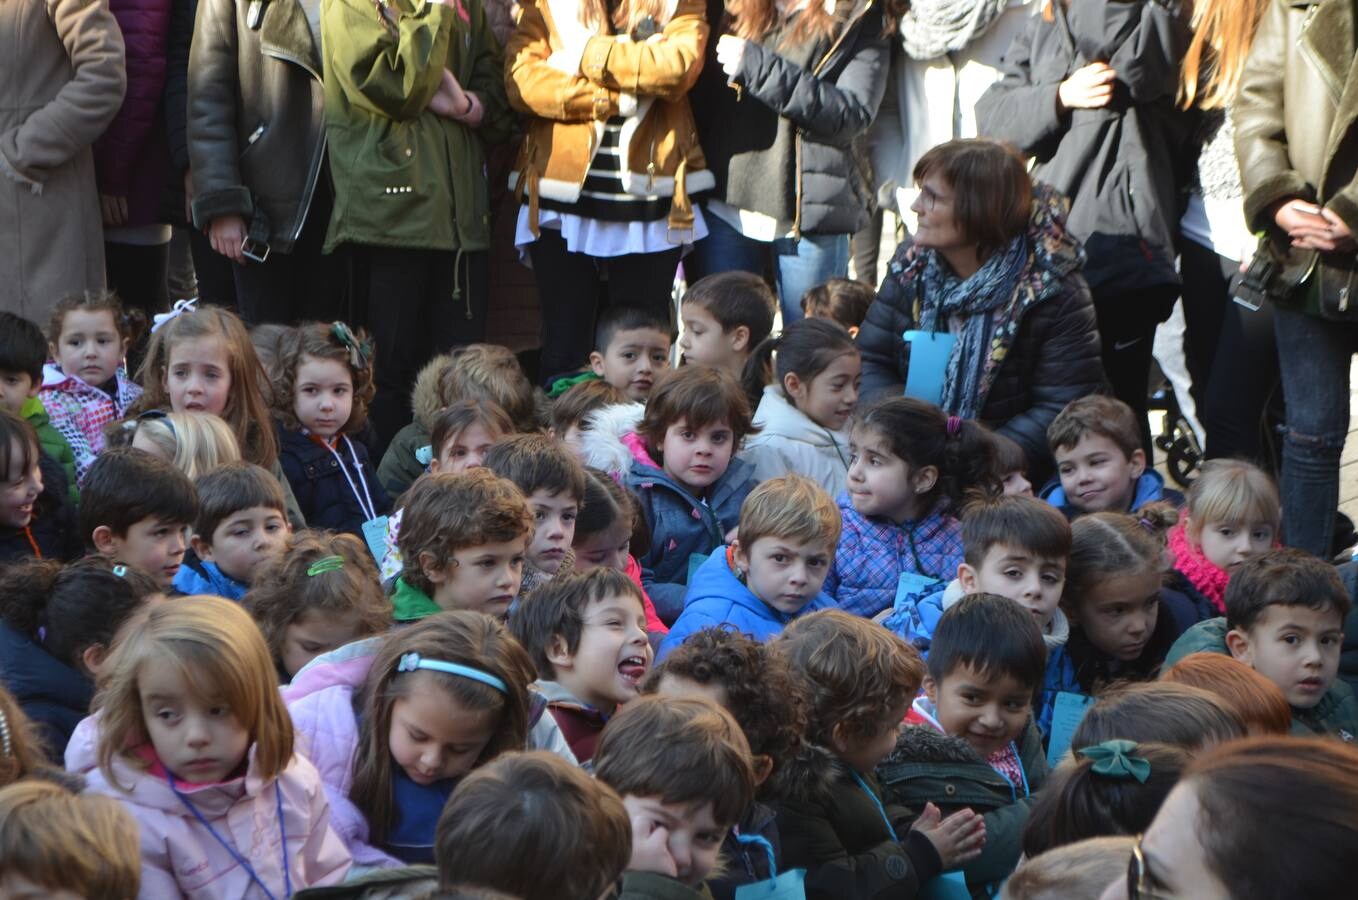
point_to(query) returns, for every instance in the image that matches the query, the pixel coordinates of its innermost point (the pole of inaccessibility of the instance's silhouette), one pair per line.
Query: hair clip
(6, 745)
(180, 307)
(1146, 524)
(412, 662)
(359, 351)
(120, 570)
(325, 564)
(954, 427)
(1115, 759)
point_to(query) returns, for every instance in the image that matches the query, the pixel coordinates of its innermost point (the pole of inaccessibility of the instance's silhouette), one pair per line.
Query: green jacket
(1336, 713)
(52, 443)
(410, 604)
(930, 767)
(405, 177)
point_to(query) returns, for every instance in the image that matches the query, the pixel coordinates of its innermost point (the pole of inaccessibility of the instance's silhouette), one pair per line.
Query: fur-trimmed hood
(604, 441)
(425, 400)
(812, 776)
(923, 744)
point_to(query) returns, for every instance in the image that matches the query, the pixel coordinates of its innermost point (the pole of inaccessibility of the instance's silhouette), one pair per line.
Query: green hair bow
(359, 351)
(1116, 759)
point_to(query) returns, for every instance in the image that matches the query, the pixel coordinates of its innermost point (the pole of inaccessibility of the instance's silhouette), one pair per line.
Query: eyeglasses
(929, 199)
(1139, 886)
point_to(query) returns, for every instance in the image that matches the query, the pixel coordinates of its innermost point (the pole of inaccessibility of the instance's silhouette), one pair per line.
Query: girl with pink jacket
(195, 740)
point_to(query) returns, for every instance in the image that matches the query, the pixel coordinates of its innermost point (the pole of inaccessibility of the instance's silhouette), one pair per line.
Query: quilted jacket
(322, 492)
(80, 411)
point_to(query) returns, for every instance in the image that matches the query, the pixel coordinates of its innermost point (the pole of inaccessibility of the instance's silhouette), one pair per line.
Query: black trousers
(1127, 322)
(573, 287)
(415, 304)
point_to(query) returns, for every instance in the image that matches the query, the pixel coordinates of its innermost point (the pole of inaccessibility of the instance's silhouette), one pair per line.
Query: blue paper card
(1067, 712)
(695, 562)
(929, 352)
(911, 584)
(947, 886)
(788, 886)
(375, 533)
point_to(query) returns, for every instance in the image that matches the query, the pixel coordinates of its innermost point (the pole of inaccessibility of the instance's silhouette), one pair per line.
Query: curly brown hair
(284, 589)
(759, 687)
(322, 340)
(852, 670)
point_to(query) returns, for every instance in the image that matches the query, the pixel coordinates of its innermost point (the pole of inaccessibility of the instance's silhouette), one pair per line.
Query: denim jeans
(1314, 355)
(799, 263)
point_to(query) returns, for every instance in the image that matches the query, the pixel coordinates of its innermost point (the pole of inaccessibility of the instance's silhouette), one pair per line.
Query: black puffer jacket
(1054, 359)
(1125, 166)
(809, 104)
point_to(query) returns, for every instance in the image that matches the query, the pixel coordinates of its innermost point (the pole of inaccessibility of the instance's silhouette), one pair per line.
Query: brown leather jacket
(570, 79)
(1295, 132)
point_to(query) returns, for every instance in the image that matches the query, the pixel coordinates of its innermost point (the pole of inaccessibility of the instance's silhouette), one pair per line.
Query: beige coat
(62, 80)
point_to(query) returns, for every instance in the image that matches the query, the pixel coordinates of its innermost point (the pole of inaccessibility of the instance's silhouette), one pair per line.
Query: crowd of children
(679, 630)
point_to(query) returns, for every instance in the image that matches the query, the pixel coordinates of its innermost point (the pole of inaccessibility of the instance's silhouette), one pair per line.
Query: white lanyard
(365, 500)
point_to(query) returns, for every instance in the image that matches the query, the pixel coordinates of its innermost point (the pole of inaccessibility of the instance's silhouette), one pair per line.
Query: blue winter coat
(198, 577)
(717, 597)
(1150, 487)
(52, 694)
(682, 525)
(322, 491)
(873, 553)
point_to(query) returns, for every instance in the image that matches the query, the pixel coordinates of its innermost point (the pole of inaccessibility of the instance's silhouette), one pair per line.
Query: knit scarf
(1201, 572)
(986, 303)
(934, 28)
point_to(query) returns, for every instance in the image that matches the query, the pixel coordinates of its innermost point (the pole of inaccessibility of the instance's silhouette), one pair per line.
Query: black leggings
(1127, 323)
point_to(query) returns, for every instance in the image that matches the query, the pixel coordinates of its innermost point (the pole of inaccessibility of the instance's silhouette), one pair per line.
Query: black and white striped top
(603, 197)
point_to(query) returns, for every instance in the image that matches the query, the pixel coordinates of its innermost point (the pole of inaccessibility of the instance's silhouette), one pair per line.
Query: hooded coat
(407, 455)
(789, 442)
(54, 696)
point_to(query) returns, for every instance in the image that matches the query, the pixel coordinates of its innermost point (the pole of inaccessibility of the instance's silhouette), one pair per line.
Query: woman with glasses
(991, 296)
(1253, 820)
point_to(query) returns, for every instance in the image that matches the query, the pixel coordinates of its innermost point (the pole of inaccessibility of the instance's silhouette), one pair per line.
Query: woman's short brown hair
(85, 844)
(1259, 703)
(992, 192)
(538, 807)
(698, 396)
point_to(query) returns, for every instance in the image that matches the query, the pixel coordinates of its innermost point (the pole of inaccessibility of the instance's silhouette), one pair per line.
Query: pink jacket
(181, 857)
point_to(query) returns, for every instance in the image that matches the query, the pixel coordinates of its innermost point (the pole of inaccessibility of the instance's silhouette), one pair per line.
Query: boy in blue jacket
(773, 572)
(242, 520)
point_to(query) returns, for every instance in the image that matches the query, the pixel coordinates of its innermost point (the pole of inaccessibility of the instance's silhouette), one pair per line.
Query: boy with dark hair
(631, 348)
(23, 351)
(971, 742)
(842, 300)
(1285, 613)
(242, 520)
(1100, 464)
(725, 316)
(553, 480)
(683, 770)
(136, 508)
(587, 637)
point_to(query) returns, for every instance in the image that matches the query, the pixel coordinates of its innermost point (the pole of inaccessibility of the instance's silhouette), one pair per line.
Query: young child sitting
(1011, 464)
(36, 516)
(1013, 546)
(1078, 871)
(137, 509)
(572, 408)
(586, 635)
(1100, 464)
(23, 351)
(463, 540)
(725, 316)
(195, 443)
(631, 349)
(973, 729)
(1284, 618)
(1159, 712)
(553, 480)
(755, 685)
(910, 466)
(60, 844)
(1261, 705)
(195, 740)
(604, 534)
(773, 572)
(860, 680)
(242, 520)
(321, 398)
(683, 770)
(393, 725)
(802, 411)
(86, 387)
(536, 827)
(317, 593)
(1233, 514)
(691, 494)
(842, 300)
(1122, 618)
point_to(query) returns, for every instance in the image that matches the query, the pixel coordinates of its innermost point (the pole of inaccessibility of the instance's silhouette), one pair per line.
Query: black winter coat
(323, 493)
(53, 526)
(54, 696)
(1055, 358)
(1124, 166)
(785, 142)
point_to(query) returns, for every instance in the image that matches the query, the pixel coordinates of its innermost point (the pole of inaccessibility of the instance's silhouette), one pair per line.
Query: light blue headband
(411, 662)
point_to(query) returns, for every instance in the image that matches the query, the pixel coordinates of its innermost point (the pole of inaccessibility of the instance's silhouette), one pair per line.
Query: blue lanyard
(759, 841)
(249, 870)
(877, 803)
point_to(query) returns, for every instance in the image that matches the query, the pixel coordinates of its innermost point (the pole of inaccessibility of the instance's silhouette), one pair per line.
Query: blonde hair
(221, 655)
(196, 442)
(1223, 33)
(83, 843)
(792, 507)
(490, 373)
(1231, 491)
(1078, 871)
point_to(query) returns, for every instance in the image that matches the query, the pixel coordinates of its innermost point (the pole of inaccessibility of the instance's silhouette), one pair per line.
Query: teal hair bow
(1117, 759)
(359, 351)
